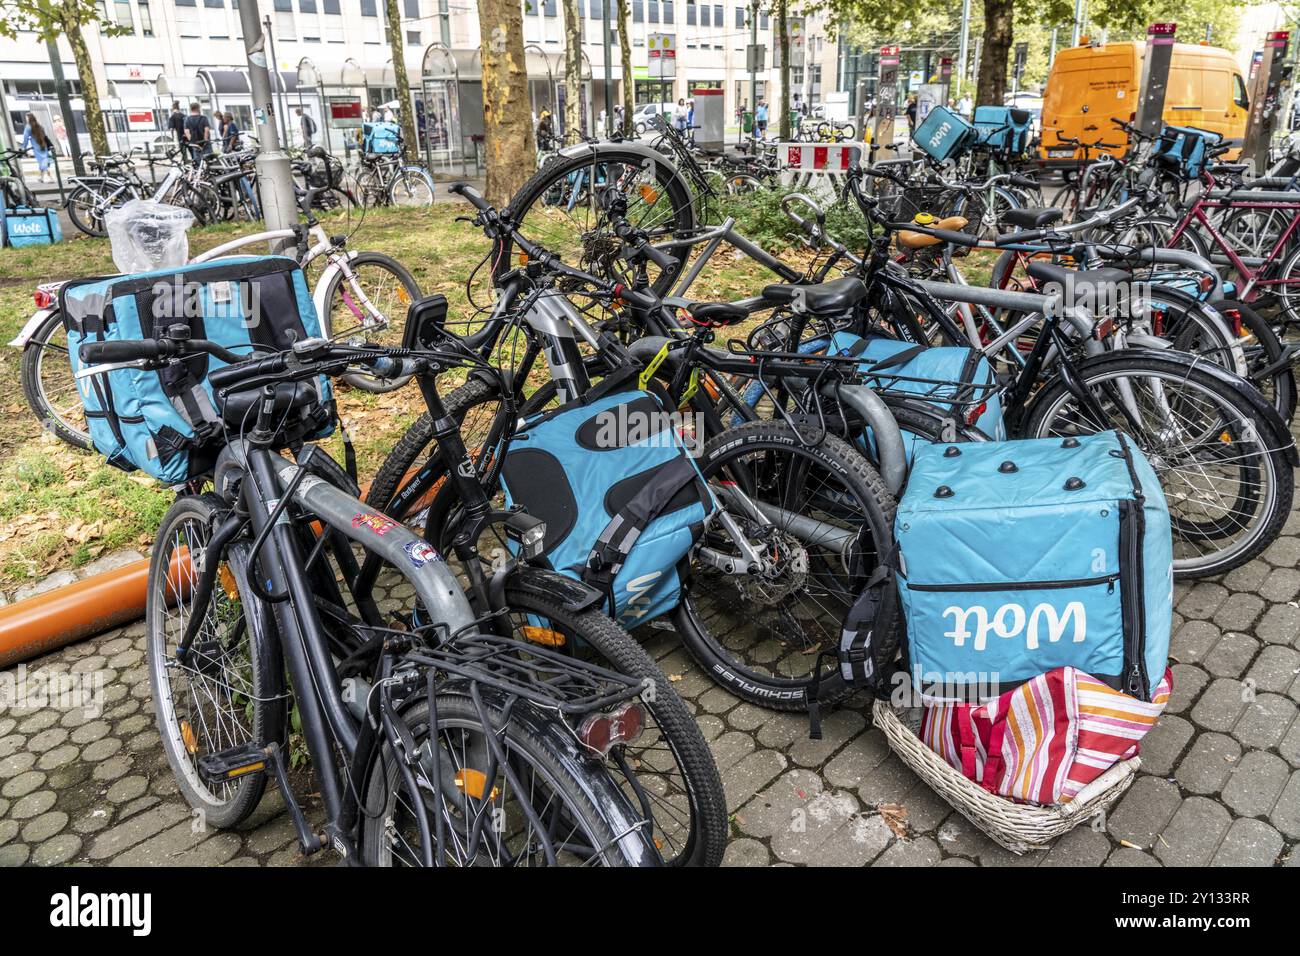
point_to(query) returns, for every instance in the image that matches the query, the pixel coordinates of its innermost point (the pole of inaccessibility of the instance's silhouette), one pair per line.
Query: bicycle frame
(1253, 280)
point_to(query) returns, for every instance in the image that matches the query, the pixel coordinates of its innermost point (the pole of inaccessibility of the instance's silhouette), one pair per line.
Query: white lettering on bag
(1010, 620)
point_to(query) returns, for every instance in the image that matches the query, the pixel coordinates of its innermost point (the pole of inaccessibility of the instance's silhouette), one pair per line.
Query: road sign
(661, 50)
(755, 58)
(1022, 54)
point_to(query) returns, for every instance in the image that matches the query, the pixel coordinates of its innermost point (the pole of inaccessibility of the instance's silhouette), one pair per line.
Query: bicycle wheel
(985, 210)
(411, 187)
(537, 810)
(1263, 351)
(48, 384)
(558, 209)
(84, 211)
(1229, 489)
(1286, 288)
(229, 692)
(1067, 200)
(368, 304)
(820, 516)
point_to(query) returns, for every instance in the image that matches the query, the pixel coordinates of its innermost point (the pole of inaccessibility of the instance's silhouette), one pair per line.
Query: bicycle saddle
(919, 240)
(1077, 279)
(824, 298)
(717, 313)
(1032, 218)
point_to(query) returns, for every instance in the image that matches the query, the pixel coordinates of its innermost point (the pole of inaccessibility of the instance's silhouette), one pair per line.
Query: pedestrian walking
(34, 138)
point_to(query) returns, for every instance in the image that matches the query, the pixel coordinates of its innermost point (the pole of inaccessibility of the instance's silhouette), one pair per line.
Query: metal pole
(753, 72)
(1052, 53)
(1078, 22)
(274, 175)
(609, 68)
(65, 107)
(276, 79)
(963, 45)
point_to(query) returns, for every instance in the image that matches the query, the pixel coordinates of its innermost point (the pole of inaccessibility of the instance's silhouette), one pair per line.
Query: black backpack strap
(620, 534)
(898, 358)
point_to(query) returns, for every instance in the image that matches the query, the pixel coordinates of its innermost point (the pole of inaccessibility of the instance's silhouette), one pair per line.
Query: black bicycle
(436, 735)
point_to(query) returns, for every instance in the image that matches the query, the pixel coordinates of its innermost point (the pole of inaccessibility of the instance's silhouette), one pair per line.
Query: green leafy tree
(51, 19)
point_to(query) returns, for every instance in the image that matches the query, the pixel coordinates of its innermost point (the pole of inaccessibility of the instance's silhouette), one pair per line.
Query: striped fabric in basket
(1049, 737)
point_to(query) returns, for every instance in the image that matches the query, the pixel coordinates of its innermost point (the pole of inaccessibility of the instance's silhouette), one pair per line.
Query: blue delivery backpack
(1019, 557)
(943, 134)
(1183, 149)
(1003, 128)
(23, 226)
(381, 138)
(622, 500)
(957, 380)
(164, 421)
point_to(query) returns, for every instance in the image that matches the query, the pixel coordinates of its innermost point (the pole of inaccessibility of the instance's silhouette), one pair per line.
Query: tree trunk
(783, 42)
(86, 74)
(992, 81)
(572, 72)
(625, 54)
(507, 115)
(406, 112)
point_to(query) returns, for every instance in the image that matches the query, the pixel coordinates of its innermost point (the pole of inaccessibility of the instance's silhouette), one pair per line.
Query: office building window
(305, 6)
(690, 13)
(762, 22)
(412, 8)
(213, 4)
(185, 3)
(668, 11)
(653, 8)
(598, 9)
(412, 37)
(332, 7)
(706, 20)
(368, 8)
(740, 18)
(719, 19)
(638, 11)
(548, 8)
(281, 6)
(146, 19)
(122, 13)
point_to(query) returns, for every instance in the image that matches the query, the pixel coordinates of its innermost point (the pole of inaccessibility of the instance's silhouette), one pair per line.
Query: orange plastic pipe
(48, 621)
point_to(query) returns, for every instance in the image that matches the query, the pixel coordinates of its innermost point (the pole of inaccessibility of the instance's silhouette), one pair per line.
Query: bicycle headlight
(527, 532)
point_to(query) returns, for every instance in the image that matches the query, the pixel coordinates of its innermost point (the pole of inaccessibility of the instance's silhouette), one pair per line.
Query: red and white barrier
(818, 157)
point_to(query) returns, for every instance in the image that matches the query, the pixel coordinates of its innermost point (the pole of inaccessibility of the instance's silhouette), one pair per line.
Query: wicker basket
(1018, 827)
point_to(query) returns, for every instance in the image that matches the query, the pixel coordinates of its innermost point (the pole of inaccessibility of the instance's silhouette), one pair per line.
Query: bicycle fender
(550, 585)
(1279, 435)
(38, 318)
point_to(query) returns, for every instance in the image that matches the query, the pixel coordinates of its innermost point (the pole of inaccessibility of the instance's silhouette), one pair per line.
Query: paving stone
(1231, 655)
(1289, 746)
(38, 721)
(1286, 814)
(14, 854)
(837, 730)
(891, 782)
(1209, 763)
(1189, 681)
(113, 767)
(182, 846)
(747, 717)
(862, 756)
(958, 835)
(1201, 600)
(56, 850)
(1082, 846)
(1249, 843)
(1265, 721)
(1144, 811)
(127, 788)
(1257, 781)
(32, 805)
(782, 730)
(751, 774)
(1125, 856)
(855, 842)
(746, 852)
(271, 836)
(1282, 553)
(716, 701)
(102, 749)
(1193, 834)
(1221, 705)
(45, 826)
(1248, 577)
(89, 733)
(1239, 612)
(1282, 585)
(8, 830)
(133, 831)
(730, 748)
(957, 861)
(1279, 625)
(58, 579)
(1193, 641)
(15, 764)
(1277, 671)
(773, 808)
(1164, 743)
(921, 851)
(47, 739)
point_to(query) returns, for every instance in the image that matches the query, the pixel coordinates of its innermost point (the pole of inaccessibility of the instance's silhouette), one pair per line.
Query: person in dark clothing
(198, 134)
(176, 123)
(911, 114)
(307, 125)
(230, 134)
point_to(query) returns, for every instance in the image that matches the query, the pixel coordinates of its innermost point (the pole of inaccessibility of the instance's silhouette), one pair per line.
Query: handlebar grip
(1028, 182)
(660, 258)
(471, 194)
(636, 298)
(230, 375)
(93, 353)
(1015, 238)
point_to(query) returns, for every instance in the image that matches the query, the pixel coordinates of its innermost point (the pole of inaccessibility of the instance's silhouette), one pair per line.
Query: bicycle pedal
(235, 762)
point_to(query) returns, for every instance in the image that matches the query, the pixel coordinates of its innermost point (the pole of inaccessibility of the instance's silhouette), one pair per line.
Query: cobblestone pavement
(1220, 782)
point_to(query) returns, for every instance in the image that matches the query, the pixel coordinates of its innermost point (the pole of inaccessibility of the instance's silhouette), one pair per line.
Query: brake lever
(103, 367)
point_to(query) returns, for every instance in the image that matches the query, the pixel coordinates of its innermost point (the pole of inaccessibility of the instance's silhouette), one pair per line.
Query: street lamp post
(274, 175)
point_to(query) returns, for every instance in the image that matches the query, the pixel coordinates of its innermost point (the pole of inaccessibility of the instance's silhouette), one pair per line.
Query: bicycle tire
(408, 291)
(264, 697)
(709, 646)
(555, 176)
(35, 353)
(525, 749)
(1230, 423)
(91, 225)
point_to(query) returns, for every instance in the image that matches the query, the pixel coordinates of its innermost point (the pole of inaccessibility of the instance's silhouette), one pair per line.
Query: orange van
(1088, 86)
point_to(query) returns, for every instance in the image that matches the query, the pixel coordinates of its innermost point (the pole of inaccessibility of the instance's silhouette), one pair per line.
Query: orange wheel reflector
(240, 771)
(649, 194)
(523, 259)
(543, 635)
(473, 783)
(227, 578)
(188, 738)
(1226, 438)
(402, 295)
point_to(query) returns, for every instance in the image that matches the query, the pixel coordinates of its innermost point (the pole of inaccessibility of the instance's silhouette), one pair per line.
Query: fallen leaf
(895, 817)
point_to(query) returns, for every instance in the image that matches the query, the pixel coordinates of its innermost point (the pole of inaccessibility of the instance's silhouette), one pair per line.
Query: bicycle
(14, 191)
(433, 740)
(388, 180)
